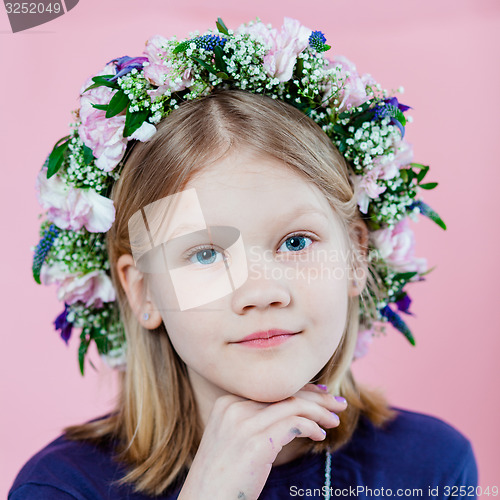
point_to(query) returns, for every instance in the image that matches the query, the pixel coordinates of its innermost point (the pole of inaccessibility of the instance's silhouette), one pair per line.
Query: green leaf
(209, 68)
(117, 104)
(403, 328)
(400, 117)
(102, 107)
(299, 67)
(102, 343)
(82, 351)
(428, 271)
(220, 64)
(60, 141)
(88, 155)
(182, 46)
(395, 112)
(360, 118)
(429, 185)
(339, 129)
(405, 276)
(432, 214)
(223, 76)
(404, 175)
(101, 81)
(423, 171)
(133, 121)
(324, 48)
(221, 26)
(56, 158)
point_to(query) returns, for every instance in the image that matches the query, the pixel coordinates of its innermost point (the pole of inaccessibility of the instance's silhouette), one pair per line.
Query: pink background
(445, 54)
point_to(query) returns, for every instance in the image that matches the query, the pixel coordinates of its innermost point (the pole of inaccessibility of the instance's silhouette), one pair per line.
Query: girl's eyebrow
(299, 211)
(302, 210)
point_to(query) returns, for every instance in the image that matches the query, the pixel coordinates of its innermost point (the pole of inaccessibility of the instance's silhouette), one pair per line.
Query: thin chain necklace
(328, 475)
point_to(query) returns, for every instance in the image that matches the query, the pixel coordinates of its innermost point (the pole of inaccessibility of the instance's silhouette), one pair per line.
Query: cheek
(323, 287)
(163, 293)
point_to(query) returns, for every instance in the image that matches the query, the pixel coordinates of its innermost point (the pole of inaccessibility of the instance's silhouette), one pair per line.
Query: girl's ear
(359, 265)
(134, 285)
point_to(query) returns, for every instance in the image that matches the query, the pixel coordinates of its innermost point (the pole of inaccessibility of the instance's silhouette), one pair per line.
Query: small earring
(145, 316)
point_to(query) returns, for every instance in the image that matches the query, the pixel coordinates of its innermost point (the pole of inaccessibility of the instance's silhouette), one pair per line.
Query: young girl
(228, 222)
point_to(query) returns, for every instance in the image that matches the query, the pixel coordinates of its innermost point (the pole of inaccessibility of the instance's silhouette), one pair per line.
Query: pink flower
(93, 289)
(363, 342)
(158, 70)
(367, 188)
(72, 208)
(104, 136)
(390, 168)
(284, 46)
(259, 31)
(404, 154)
(353, 92)
(397, 247)
(156, 53)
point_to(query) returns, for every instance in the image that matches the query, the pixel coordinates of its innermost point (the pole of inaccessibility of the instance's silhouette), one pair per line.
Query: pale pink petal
(50, 192)
(144, 132)
(397, 246)
(363, 343)
(101, 211)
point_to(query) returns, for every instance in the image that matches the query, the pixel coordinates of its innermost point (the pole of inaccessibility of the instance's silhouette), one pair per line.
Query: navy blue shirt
(414, 456)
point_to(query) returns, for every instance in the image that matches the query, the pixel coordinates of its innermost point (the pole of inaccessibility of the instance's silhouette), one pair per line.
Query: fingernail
(322, 387)
(340, 399)
(336, 416)
(323, 431)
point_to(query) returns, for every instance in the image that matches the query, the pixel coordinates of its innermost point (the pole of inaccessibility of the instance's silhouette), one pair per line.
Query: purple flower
(395, 320)
(125, 65)
(404, 304)
(317, 41)
(62, 323)
(391, 108)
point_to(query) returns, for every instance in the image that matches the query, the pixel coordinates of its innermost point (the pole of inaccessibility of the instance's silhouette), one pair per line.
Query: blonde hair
(156, 425)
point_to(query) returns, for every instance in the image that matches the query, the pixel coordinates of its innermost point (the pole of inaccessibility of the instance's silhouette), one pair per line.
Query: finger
(317, 395)
(296, 406)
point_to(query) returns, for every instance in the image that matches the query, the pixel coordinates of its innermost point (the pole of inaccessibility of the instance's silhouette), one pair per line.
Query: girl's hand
(242, 439)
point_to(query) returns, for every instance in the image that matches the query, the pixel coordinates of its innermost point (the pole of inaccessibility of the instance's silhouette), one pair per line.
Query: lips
(267, 338)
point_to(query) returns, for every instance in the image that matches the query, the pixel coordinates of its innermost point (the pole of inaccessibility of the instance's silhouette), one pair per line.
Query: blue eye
(296, 243)
(205, 256)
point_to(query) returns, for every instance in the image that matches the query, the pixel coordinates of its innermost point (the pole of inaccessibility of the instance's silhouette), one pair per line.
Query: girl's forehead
(250, 181)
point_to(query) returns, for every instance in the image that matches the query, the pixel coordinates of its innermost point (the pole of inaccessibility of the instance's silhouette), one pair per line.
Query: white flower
(73, 208)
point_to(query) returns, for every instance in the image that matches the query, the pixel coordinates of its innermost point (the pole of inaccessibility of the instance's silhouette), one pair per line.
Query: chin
(271, 392)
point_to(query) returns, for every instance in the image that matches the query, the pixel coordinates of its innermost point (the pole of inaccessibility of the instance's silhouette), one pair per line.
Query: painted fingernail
(322, 387)
(340, 399)
(336, 416)
(323, 431)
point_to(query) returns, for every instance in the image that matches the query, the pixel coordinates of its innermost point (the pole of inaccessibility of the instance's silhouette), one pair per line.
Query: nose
(265, 287)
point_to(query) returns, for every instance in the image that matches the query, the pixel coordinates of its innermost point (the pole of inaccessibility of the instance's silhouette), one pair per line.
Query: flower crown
(124, 102)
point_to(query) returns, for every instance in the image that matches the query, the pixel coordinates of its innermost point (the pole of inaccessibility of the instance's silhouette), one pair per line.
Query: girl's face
(271, 324)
